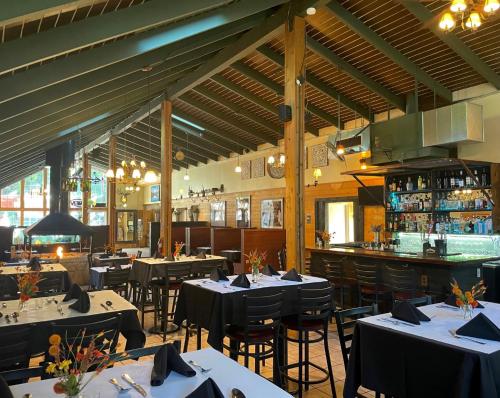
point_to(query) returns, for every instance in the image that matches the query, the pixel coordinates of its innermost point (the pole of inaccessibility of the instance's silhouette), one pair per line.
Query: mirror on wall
(126, 226)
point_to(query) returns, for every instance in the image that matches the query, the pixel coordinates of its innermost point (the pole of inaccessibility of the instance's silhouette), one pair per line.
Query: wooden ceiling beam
(428, 19)
(388, 50)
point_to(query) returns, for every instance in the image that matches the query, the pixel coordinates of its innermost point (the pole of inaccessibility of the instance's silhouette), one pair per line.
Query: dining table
(225, 372)
(97, 275)
(144, 270)
(41, 312)
(405, 360)
(52, 268)
(99, 261)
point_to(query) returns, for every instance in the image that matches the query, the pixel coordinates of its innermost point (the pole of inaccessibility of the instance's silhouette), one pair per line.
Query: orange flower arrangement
(255, 260)
(178, 248)
(72, 363)
(28, 285)
(467, 298)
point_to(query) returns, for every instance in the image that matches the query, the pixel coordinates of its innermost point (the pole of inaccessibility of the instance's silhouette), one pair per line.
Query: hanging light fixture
(311, 10)
(474, 21)
(282, 160)
(447, 22)
(120, 173)
(237, 169)
(186, 176)
(469, 14)
(150, 176)
(490, 6)
(271, 159)
(458, 6)
(110, 173)
(340, 149)
(362, 164)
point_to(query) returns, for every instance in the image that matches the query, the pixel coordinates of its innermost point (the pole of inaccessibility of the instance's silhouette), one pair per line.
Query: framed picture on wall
(155, 193)
(271, 213)
(218, 214)
(243, 212)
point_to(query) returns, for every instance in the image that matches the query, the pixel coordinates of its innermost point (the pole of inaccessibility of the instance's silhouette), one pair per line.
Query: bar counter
(433, 273)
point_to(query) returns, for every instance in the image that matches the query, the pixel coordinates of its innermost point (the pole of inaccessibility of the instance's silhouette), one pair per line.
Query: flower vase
(23, 305)
(255, 274)
(467, 311)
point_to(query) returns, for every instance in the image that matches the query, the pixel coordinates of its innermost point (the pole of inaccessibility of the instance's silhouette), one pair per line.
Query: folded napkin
(406, 311)
(82, 304)
(481, 327)
(166, 360)
(74, 292)
(269, 270)
(241, 281)
(5, 389)
(292, 275)
(452, 300)
(169, 257)
(122, 254)
(217, 275)
(115, 267)
(201, 255)
(207, 389)
(34, 264)
(104, 255)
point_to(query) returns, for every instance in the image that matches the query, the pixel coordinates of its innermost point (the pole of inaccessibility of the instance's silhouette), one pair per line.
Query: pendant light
(186, 176)
(491, 6)
(474, 21)
(150, 176)
(458, 6)
(237, 169)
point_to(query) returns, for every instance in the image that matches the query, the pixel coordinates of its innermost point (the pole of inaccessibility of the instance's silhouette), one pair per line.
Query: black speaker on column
(285, 113)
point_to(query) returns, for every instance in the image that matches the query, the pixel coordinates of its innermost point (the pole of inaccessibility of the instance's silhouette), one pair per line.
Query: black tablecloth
(231, 255)
(213, 310)
(130, 329)
(404, 366)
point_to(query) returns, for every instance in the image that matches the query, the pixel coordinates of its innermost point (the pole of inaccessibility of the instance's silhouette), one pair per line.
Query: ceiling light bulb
(282, 159)
(136, 173)
(237, 169)
(186, 177)
(447, 23)
(110, 173)
(271, 159)
(458, 6)
(120, 173)
(491, 6)
(474, 21)
(133, 163)
(340, 149)
(150, 176)
(311, 10)
(143, 164)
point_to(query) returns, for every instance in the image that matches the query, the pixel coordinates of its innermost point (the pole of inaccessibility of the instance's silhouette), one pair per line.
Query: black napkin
(104, 255)
(74, 292)
(169, 257)
(269, 270)
(207, 389)
(122, 254)
(157, 254)
(5, 389)
(34, 264)
(217, 275)
(292, 275)
(406, 311)
(201, 255)
(241, 281)
(481, 327)
(115, 267)
(452, 300)
(166, 360)
(82, 304)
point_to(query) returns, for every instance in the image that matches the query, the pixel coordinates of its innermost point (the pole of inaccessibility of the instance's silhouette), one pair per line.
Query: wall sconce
(317, 174)
(362, 164)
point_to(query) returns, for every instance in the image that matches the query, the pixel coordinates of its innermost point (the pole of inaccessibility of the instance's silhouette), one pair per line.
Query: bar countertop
(451, 260)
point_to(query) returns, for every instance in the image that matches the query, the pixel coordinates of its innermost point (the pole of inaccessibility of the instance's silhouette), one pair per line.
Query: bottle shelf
(408, 211)
(409, 192)
(461, 211)
(460, 189)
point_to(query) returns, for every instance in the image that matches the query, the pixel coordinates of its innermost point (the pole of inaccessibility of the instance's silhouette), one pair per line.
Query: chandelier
(131, 173)
(469, 13)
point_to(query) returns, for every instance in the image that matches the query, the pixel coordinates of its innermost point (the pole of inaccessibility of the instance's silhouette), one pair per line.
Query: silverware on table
(109, 303)
(236, 393)
(457, 336)
(104, 306)
(134, 385)
(7, 318)
(396, 322)
(203, 370)
(118, 385)
(448, 307)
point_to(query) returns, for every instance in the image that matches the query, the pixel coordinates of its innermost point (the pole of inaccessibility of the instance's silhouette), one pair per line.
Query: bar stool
(371, 289)
(314, 312)
(403, 282)
(162, 288)
(334, 273)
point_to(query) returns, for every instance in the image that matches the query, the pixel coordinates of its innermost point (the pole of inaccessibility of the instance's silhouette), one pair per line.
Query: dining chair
(203, 269)
(15, 349)
(334, 272)
(403, 282)
(260, 329)
(117, 280)
(417, 301)
(371, 289)
(8, 288)
(313, 315)
(51, 283)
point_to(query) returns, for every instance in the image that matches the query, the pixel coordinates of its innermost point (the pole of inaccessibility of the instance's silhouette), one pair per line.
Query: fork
(203, 370)
(118, 385)
(454, 334)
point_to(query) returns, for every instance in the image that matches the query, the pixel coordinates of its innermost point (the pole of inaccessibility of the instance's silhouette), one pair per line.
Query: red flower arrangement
(28, 285)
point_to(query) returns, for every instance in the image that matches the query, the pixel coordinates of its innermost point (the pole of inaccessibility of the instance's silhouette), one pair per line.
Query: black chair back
(262, 313)
(314, 305)
(403, 281)
(417, 301)
(205, 268)
(8, 288)
(15, 347)
(345, 320)
(333, 270)
(50, 283)
(116, 278)
(139, 253)
(368, 275)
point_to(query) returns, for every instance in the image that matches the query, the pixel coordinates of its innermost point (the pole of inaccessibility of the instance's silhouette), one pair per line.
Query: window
(98, 193)
(33, 191)
(76, 214)
(10, 218)
(31, 217)
(11, 196)
(341, 217)
(75, 198)
(97, 217)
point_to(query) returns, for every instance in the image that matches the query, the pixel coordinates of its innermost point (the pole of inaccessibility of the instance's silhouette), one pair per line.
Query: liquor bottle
(419, 183)
(446, 181)
(484, 178)
(452, 180)
(409, 185)
(461, 181)
(400, 186)
(424, 184)
(438, 182)
(468, 181)
(477, 177)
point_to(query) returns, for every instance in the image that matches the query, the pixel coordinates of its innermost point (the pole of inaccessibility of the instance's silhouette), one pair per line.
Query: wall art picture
(319, 156)
(271, 213)
(243, 212)
(245, 169)
(218, 214)
(155, 193)
(258, 167)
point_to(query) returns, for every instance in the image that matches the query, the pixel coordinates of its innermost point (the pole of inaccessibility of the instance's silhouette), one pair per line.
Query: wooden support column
(294, 142)
(166, 177)
(86, 195)
(112, 193)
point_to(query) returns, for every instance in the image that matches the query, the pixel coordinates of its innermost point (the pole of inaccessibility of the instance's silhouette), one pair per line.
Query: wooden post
(85, 195)
(294, 142)
(112, 193)
(166, 177)
(495, 190)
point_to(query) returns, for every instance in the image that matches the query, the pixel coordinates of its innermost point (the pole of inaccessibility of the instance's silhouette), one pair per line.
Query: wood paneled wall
(268, 240)
(196, 237)
(225, 239)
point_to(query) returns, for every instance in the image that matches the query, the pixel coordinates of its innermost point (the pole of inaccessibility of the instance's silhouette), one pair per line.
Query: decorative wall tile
(319, 156)
(258, 167)
(245, 169)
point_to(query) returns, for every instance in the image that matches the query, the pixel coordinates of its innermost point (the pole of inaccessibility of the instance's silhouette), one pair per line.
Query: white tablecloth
(97, 275)
(225, 372)
(182, 259)
(264, 281)
(443, 319)
(39, 310)
(22, 269)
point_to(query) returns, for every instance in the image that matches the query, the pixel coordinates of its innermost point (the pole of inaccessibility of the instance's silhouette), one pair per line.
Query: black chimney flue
(59, 159)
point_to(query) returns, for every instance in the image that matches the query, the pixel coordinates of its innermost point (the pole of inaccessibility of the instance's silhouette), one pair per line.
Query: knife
(134, 385)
